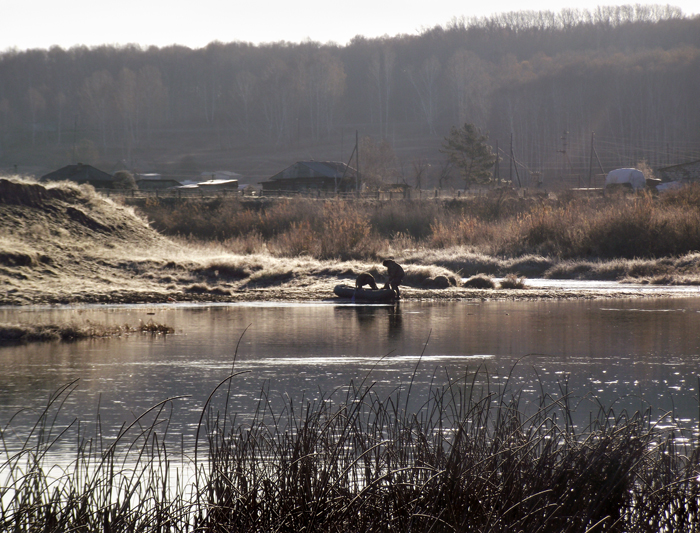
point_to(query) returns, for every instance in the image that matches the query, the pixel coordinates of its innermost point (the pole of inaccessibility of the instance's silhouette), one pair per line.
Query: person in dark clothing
(365, 279)
(395, 273)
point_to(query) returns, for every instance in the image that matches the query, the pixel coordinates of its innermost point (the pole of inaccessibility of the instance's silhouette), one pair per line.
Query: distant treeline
(629, 74)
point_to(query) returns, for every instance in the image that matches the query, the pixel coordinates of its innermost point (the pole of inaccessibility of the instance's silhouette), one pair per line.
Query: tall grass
(467, 459)
(500, 223)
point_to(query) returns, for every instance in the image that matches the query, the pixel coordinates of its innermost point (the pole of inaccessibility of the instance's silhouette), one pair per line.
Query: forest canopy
(550, 84)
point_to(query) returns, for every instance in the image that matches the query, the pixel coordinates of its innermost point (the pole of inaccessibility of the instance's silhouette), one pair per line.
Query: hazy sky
(195, 23)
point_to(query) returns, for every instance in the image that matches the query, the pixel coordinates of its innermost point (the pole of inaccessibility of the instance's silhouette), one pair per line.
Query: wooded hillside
(625, 78)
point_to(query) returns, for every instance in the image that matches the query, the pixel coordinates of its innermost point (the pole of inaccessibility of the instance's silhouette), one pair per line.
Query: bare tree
(244, 92)
(325, 85)
(381, 73)
(37, 104)
(279, 98)
(471, 84)
(379, 162)
(97, 95)
(425, 82)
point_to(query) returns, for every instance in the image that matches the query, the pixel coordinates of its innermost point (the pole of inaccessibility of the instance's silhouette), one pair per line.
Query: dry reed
(466, 460)
(500, 223)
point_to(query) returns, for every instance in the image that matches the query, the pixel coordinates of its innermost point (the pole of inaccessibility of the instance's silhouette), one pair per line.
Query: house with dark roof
(313, 175)
(81, 173)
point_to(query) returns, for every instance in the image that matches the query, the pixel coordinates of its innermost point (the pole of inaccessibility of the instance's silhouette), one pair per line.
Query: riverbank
(300, 290)
(65, 244)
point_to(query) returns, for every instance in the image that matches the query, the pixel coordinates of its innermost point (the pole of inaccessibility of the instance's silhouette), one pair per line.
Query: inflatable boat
(364, 295)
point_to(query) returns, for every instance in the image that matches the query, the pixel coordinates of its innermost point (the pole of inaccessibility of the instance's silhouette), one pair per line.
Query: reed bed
(500, 224)
(467, 459)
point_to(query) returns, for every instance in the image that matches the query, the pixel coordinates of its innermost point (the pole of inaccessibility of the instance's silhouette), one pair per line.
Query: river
(629, 354)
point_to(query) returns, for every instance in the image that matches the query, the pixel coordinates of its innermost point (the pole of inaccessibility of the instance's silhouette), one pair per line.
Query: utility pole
(357, 162)
(513, 163)
(356, 153)
(590, 161)
(510, 174)
(497, 169)
(563, 151)
(565, 159)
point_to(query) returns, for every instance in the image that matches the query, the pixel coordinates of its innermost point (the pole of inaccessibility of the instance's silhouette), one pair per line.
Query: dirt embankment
(63, 243)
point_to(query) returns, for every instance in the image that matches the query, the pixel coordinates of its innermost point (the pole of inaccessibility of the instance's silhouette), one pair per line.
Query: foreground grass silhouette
(468, 459)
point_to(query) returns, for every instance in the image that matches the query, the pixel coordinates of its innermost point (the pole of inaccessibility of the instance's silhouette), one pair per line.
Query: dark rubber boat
(364, 295)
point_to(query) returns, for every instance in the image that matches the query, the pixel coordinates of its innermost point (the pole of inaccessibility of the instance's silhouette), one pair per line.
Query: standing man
(395, 273)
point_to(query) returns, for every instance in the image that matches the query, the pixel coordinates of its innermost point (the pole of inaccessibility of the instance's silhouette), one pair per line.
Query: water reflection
(371, 316)
(625, 353)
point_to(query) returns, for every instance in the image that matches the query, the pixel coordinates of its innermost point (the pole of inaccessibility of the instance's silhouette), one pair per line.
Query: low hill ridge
(67, 237)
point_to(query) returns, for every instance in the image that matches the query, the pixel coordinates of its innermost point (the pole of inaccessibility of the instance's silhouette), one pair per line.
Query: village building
(684, 172)
(156, 184)
(313, 175)
(81, 173)
(219, 185)
(225, 175)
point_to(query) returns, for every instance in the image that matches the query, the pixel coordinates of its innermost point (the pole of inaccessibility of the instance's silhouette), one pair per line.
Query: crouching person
(365, 279)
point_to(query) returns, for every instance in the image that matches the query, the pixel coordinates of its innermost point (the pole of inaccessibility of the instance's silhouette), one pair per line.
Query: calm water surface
(627, 353)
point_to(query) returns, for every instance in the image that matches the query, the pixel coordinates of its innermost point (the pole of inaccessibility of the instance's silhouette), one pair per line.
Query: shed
(313, 175)
(219, 185)
(81, 173)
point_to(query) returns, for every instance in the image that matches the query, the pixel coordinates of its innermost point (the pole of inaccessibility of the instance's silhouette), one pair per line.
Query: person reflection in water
(395, 323)
(396, 274)
(365, 279)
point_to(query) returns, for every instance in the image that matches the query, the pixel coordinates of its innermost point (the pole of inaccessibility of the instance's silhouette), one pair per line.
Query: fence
(407, 194)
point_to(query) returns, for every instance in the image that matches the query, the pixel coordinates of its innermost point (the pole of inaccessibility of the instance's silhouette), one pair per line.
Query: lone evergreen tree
(467, 149)
(123, 179)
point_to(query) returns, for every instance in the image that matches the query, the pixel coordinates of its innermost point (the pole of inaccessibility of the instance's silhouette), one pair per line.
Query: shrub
(345, 233)
(298, 240)
(480, 281)
(511, 281)
(124, 179)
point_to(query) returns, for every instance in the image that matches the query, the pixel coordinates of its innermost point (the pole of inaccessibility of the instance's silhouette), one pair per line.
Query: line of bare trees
(630, 74)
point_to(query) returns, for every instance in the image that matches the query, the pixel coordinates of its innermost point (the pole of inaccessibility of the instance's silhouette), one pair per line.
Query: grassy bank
(467, 460)
(25, 333)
